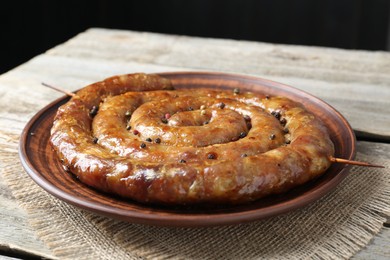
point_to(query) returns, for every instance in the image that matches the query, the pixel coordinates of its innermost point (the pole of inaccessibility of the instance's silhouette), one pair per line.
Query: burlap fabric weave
(334, 227)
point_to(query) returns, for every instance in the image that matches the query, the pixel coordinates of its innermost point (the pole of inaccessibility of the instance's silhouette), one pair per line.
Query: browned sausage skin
(134, 136)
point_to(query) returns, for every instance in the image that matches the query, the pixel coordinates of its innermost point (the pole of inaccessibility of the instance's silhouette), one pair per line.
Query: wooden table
(357, 83)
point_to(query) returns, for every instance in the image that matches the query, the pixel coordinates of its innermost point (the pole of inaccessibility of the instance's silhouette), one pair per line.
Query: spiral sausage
(134, 136)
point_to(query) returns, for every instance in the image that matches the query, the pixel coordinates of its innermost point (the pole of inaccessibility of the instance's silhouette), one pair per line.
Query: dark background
(31, 27)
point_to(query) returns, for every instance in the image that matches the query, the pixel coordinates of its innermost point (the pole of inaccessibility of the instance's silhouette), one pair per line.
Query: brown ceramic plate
(44, 168)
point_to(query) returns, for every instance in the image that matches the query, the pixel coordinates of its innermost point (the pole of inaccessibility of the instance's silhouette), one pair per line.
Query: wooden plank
(378, 248)
(325, 64)
(16, 236)
(353, 75)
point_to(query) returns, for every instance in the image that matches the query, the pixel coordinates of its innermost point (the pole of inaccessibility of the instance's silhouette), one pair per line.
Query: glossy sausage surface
(134, 136)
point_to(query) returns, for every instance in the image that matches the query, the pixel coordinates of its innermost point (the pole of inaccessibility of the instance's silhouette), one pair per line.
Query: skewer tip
(365, 164)
(58, 89)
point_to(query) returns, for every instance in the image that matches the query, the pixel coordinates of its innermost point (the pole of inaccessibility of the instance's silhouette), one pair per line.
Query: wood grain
(331, 67)
(14, 222)
(355, 82)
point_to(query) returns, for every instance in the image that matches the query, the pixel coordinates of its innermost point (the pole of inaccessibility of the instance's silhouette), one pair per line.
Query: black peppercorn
(212, 156)
(93, 111)
(221, 105)
(276, 114)
(242, 134)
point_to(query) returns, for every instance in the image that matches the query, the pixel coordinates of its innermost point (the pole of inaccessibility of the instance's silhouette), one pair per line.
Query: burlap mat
(337, 226)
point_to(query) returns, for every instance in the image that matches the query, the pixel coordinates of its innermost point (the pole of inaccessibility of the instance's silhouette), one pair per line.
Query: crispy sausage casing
(134, 136)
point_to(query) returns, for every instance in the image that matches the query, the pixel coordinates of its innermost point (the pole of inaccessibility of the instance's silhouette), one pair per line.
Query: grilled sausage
(134, 136)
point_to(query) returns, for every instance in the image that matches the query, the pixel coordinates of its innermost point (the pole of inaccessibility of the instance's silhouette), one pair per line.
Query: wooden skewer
(339, 160)
(58, 89)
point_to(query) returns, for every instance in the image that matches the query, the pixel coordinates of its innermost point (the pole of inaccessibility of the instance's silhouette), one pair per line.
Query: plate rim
(170, 219)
